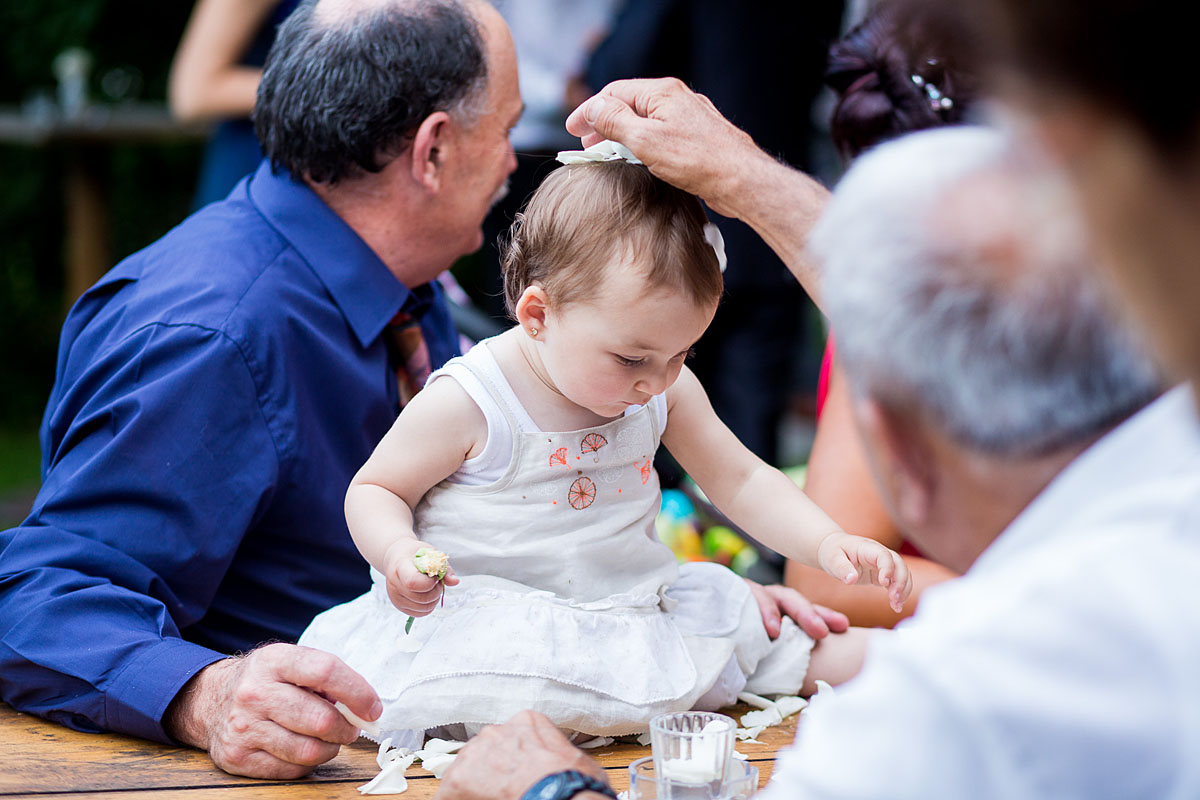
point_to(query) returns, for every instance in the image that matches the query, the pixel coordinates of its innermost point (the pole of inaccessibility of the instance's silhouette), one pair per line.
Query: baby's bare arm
(438, 430)
(756, 496)
(765, 502)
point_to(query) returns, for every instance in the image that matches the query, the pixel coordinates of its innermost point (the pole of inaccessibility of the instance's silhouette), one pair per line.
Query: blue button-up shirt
(215, 393)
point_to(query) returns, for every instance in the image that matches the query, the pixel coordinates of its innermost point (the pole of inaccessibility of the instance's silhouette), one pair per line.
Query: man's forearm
(782, 204)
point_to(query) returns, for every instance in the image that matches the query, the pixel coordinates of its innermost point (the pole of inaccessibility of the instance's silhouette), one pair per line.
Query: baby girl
(529, 462)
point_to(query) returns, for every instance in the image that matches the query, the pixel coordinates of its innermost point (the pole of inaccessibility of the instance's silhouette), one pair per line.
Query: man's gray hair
(343, 93)
(959, 285)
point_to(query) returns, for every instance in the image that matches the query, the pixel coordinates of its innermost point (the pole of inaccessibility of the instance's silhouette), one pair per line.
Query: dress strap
(658, 415)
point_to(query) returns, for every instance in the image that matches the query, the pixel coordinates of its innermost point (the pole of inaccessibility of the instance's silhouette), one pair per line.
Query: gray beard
(501, 193)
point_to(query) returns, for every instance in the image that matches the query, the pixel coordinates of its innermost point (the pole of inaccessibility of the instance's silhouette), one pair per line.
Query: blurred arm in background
(208, 79)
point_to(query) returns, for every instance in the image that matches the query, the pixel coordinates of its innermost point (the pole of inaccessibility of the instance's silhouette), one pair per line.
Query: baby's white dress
(569, 604)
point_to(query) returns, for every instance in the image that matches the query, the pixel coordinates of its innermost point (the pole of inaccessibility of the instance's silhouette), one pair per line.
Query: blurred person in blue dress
(215, 76)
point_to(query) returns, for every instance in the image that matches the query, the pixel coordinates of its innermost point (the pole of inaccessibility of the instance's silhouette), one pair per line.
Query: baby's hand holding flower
(416, 576)
(857, 559)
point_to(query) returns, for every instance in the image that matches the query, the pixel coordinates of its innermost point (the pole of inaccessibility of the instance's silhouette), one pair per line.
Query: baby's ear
(429, 150)
(531, 310)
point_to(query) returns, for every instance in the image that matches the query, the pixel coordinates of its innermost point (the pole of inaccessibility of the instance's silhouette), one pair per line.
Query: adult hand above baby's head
(271, 714)
(679, 134)
(504, 761)
(775, 601)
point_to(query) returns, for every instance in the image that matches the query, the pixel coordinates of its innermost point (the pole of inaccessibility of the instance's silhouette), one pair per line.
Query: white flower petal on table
(388, 754)
(752, 699)
(390, 779)
(438, 763)
(766, 717)
(789, 704)
(436, 746)
(370, 728)
(599, 741)
(750, 734)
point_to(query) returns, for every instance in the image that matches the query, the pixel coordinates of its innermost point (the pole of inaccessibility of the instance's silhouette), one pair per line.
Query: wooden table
(39, 759)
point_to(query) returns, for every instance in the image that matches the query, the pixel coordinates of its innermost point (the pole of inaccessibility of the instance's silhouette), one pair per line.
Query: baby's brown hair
(584, 216)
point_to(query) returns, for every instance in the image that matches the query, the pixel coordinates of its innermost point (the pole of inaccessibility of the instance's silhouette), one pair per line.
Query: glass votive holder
(741, 781)
(692, 748)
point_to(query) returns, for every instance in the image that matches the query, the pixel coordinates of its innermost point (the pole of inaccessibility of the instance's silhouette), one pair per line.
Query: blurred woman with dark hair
(889, 83)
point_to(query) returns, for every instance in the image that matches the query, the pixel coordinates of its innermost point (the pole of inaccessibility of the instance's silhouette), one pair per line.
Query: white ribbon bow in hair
(712, 235)
(607, 150)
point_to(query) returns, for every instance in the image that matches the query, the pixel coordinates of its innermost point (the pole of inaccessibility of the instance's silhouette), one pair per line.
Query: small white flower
(433, 563)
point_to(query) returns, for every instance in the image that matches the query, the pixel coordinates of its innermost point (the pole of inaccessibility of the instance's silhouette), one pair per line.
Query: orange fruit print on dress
(582, 493)
(592, 442)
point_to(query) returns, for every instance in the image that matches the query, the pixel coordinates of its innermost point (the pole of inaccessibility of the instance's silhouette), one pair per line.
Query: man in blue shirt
(216, 392)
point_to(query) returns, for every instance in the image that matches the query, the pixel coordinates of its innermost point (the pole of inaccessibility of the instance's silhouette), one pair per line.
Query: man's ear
(532, 309)
(429, 150)
(903, 460)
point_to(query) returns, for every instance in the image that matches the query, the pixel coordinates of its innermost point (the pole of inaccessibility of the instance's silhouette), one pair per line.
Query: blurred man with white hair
(1016, 431)
(999, 399)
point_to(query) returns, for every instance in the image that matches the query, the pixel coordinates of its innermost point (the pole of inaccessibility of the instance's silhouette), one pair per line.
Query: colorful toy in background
(693, 538)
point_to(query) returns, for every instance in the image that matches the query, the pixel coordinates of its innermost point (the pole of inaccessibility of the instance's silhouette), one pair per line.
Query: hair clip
(606, 150)
(937, 101)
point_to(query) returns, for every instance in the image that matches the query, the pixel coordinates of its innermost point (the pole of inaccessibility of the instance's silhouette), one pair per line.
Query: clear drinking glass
(691, 752)
(741, 781)
(642, 780)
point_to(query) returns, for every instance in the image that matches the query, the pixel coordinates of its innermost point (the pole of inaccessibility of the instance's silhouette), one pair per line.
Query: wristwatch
(566, 784)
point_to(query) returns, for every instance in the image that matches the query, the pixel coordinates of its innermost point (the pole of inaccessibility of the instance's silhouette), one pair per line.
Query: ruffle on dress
(602, 668)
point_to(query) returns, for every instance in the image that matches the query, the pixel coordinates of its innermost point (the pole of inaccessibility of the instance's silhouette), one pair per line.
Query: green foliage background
(149, 186)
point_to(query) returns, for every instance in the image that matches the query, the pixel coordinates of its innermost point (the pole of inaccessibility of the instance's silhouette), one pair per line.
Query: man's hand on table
(504, 761)
(774, 601)
(270, 714)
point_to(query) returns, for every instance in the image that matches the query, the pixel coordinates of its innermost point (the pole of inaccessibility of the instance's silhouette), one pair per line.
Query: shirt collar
(364, 289)
(1155, 441)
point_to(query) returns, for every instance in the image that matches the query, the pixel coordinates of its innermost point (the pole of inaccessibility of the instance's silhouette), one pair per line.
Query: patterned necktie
(409, 355)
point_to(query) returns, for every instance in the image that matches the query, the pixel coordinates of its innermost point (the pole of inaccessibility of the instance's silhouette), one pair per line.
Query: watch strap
(565, 785)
